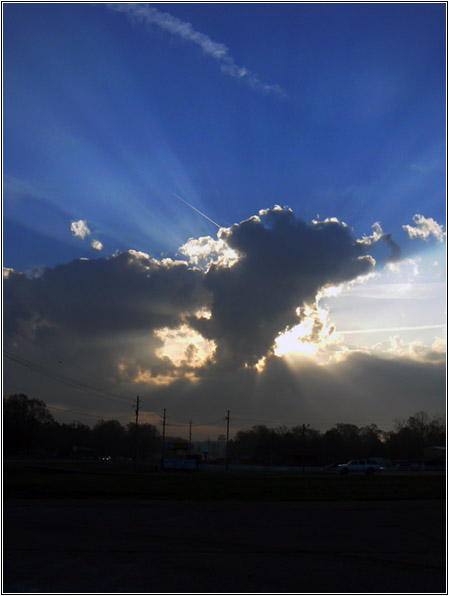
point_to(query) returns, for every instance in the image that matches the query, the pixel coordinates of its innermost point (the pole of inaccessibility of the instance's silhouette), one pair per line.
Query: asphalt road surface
(130, 546)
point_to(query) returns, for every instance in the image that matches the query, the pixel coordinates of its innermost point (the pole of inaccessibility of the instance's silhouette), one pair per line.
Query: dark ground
(129, 546)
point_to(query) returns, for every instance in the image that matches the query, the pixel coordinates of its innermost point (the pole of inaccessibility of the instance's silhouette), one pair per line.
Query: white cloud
(217, 51)
(311, 336)
(415, 350)
(319, 221)
(205, 250)
(184, 346)
(201, 339)
(406, 267)
(336, 347)
(276, 208)
(378, 234)
(80, 229)
(7, 272)
(374, 237)
(424, 228)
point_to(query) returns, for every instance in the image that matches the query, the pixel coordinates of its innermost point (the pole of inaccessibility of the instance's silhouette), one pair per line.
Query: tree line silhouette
(29, 429)
(302, 445)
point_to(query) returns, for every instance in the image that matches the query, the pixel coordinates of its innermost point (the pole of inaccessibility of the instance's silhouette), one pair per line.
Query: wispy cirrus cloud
(218, 51)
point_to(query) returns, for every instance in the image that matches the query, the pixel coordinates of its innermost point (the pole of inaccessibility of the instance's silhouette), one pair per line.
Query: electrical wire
(58, 356)
(74, 412)
(256, 420)
(64, 379)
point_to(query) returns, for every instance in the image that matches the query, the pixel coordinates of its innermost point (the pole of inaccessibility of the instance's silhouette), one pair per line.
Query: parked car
(359, 466)
(331, 467)
(409, 465)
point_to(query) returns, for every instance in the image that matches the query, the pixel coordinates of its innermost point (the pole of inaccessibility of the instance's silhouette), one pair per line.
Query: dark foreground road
(91, 546)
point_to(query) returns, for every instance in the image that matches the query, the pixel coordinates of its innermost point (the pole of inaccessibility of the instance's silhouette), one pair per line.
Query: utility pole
(303, 433)
(227, 441)
(137, 431)
(190, 431)
(163, 438)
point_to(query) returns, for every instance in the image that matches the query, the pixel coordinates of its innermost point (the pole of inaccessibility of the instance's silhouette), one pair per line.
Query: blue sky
(334, 110)
(106, 118)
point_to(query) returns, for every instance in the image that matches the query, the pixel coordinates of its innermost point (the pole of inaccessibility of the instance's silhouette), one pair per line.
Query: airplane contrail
(218, 51)
(197, 210)
(384, 329)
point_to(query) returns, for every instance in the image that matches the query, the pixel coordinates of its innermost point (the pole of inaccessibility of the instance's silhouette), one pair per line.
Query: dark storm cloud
(360, 389)
(103, 314)
(126, 292)
(283, 264)
(377, 235)
(395, 254)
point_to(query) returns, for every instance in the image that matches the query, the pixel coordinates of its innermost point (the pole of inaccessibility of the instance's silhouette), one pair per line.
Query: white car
(360, 466)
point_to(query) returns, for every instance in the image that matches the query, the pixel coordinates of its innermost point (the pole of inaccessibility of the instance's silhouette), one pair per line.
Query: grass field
(88, 480)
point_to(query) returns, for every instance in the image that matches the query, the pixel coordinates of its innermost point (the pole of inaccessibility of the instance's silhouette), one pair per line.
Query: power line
(64, 410)
(59, 357)
(317, 422)
(256, 420)
(74, 412)
(64, 379)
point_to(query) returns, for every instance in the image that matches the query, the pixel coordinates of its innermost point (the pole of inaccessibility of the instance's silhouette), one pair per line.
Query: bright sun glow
(292, 341)
(330, 291)
(308, 337)
(184, 346)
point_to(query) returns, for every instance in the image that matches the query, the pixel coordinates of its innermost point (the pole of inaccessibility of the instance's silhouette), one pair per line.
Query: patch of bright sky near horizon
(106, 118)
(392, 311)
